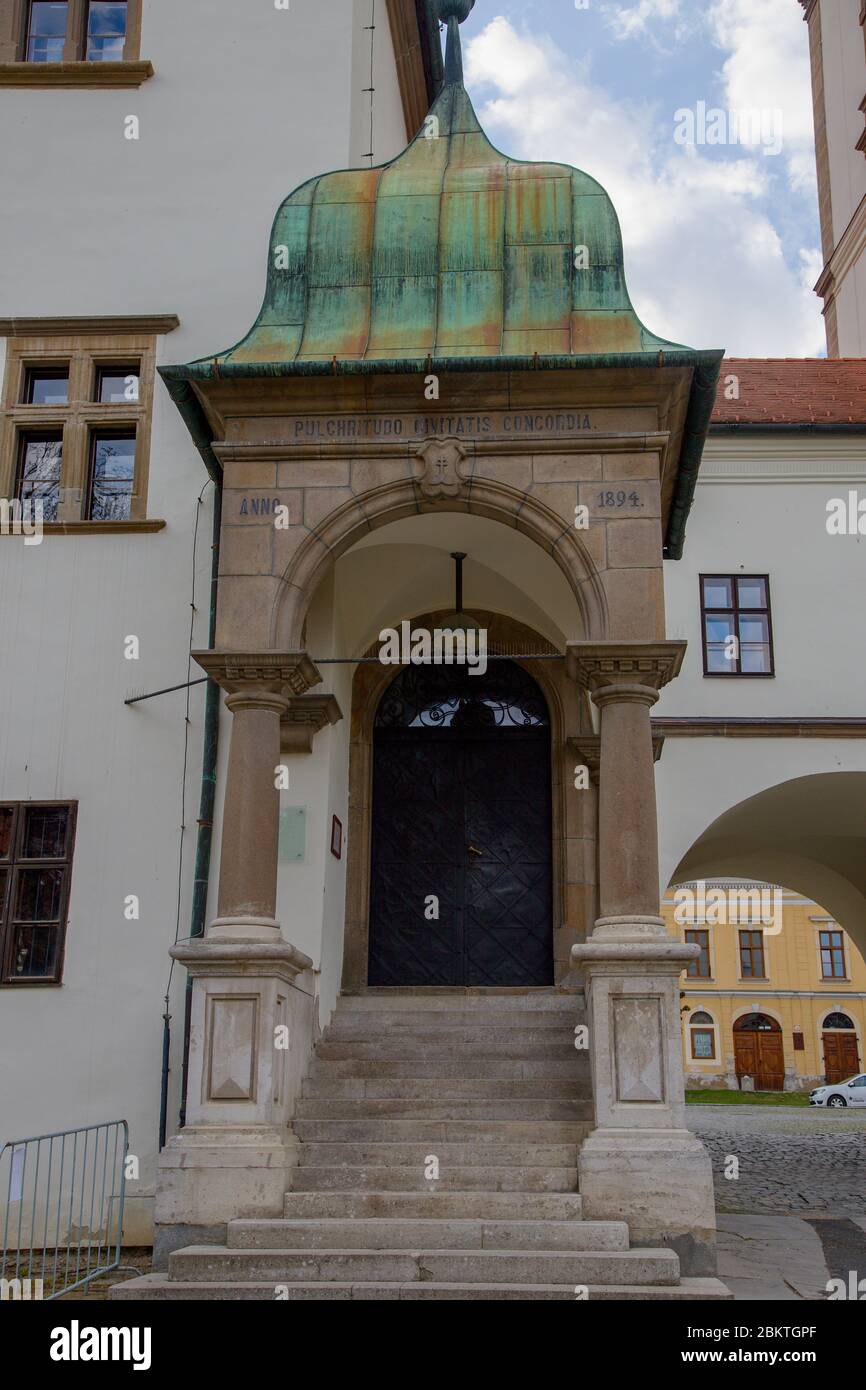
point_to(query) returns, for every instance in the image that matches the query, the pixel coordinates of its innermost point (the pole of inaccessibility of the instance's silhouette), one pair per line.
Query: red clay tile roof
(793, 391)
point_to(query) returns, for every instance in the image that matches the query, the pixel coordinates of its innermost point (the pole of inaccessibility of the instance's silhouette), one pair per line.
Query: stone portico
(529, 410)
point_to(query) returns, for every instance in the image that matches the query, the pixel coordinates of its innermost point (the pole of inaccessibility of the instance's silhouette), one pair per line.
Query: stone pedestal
(253, 993)
(640, 1164)
(251, 1030)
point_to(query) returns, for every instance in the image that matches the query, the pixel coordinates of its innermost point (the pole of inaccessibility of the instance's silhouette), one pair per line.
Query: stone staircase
(490, 1087)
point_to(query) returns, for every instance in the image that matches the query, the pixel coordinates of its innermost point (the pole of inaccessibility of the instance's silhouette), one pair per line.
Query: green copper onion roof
(454, 255)
(452, 249)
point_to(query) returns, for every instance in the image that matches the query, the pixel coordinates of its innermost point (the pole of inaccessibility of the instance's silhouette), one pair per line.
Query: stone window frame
(74, 70)
(46, 344)
(712, 1028)
(12, 864)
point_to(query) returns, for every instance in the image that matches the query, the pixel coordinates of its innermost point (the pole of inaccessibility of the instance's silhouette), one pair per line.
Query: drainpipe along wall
(206, 809)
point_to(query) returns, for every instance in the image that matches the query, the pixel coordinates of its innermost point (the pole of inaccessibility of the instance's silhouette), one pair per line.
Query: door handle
(473, 850)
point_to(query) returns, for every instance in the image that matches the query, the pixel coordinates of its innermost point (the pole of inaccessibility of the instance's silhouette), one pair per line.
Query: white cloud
(705, 264)
(768, 68)
(632, 21)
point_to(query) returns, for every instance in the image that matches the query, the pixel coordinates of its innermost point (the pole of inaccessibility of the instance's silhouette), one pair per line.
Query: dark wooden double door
(760, 1053)
(841, 1057)
(460, 890)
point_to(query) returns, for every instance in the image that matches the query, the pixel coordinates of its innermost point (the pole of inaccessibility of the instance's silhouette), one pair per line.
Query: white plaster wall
(698, 779)
(844, 85)
(389, 123)
(762, 510)
(246, 103)
(851, 308)
(776, 528)
(843, 49)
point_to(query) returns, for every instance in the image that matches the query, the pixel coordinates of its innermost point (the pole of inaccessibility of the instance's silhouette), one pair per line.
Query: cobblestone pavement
(800, 1162)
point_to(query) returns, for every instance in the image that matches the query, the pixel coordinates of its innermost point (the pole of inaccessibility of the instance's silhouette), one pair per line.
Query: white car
(851, 1092)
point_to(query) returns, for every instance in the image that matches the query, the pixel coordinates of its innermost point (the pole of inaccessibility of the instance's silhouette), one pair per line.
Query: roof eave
(706, 366)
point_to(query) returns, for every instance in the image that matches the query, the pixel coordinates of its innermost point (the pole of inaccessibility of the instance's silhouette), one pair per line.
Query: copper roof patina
(450, 250)
(456, 256)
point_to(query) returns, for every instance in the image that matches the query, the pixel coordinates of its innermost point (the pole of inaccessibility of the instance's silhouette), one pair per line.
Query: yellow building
(778, 993)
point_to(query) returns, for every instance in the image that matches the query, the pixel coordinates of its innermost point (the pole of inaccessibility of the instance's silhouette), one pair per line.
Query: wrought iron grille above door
(461, 835)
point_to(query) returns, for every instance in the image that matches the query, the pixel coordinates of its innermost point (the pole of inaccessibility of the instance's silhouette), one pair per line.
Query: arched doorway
(841, 1054)
(460, 885)
(759, 1052)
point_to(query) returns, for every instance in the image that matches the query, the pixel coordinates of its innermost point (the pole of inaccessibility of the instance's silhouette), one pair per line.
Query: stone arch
(806, 834)
(486, 497)
(573, 818)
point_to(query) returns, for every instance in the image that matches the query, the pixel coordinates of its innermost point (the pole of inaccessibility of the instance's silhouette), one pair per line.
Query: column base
(244, 929)
(209, 1175)
(661, 1183)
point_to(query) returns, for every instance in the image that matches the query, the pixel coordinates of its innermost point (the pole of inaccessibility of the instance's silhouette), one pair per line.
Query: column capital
(256, 675)
(588, 747)
(304, 716)
(600, 666)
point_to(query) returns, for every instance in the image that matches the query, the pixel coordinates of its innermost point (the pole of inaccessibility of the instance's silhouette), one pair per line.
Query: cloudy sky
(722, 239)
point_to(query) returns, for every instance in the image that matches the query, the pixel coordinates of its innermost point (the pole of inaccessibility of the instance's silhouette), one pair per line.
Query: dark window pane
(118, 386)
(106, 30)
(752, 593)
(34, 951)
(38, 895)
(47, 388)
(40, 473)
(4, 880)
(46, 31)
(718, 593)
(112, 478)
(44, 832)
(6, 815)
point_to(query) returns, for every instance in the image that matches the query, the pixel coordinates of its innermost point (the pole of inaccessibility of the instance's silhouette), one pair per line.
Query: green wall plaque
(293, 834)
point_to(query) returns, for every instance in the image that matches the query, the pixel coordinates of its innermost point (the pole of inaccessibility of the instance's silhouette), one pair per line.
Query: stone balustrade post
(253, 992)
(640, 1164)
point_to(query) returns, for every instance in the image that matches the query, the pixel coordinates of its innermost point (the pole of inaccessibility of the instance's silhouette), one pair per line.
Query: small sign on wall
(336, 837)
(293, 834)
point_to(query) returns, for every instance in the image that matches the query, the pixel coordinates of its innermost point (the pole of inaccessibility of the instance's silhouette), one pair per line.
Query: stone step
(445, 1000)
(421, 1108)
(536, 1089)
(453, 1178)
(520, 1043)
(493, 1153)
(153, 1288)
(438, 1206)
(575, 1066)
(403, 1233)
(423, 1129)
(351, 1023)
(219, 1264)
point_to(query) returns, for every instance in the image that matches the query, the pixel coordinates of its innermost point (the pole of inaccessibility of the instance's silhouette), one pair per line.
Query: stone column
(640, 1164)
(253, 992)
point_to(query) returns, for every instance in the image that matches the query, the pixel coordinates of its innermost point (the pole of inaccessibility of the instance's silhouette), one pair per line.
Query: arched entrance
(461, 877)
(759, 1052)
(841, 1054)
